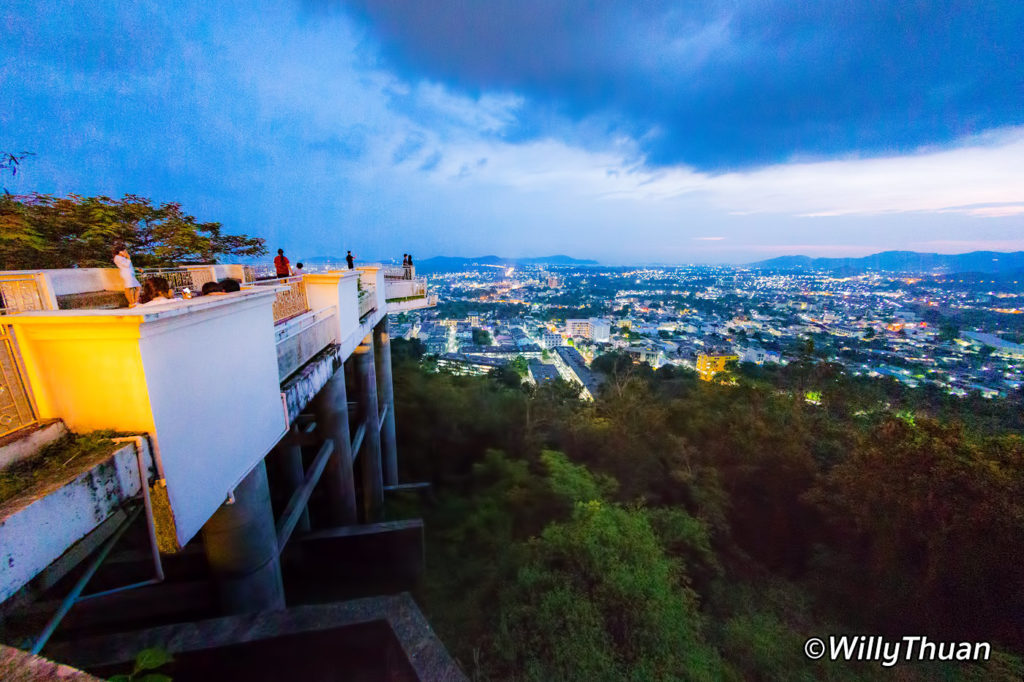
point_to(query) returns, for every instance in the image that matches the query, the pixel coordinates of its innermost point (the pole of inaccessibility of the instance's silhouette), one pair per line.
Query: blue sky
(640, 131)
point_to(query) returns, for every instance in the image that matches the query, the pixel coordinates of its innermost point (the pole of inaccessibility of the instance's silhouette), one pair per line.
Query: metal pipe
(73, 595)
(154, 545)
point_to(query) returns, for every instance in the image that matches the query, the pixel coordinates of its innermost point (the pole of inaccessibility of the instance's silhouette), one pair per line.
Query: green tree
(481, 337)
(44, 231)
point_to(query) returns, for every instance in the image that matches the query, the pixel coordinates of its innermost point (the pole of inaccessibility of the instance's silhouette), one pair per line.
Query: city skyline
(622, 134)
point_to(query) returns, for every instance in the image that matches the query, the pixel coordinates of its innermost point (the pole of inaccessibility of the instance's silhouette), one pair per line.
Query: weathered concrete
(300, 389)
(331, 409)
(40, 524)
(369, 455)
(27, 442)
(241, 546)
(386, 401)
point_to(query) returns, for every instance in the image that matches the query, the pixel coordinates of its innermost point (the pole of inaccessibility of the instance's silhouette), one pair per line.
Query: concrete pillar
(369, 453)
(386, 400)
(240, 540)
(330, 406)
(290, 472)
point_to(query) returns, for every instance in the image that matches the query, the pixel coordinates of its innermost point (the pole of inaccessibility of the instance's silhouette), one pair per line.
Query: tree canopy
(675, 529)
(45, 231)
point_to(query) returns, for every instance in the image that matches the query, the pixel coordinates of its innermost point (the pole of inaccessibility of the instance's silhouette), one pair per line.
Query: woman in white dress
(123, 261)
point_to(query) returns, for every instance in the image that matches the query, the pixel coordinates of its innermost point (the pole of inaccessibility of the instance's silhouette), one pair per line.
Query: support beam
(386, 398)
(288, 460)
(369, 454)
(331, 408)
(241, 547)
(291, 517)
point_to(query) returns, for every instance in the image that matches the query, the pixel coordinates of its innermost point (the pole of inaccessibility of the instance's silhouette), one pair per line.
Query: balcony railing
(300, 339)
(19, 294)
(396, 272)
(179, 278)
(15, 406)
(367, 301)
(290, 303)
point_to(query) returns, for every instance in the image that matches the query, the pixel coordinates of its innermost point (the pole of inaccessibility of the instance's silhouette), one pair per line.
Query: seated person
(212, 288)
(155, 290)
(229, 286)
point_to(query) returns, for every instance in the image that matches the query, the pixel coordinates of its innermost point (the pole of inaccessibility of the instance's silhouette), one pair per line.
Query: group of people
(283, 267)
(158, 289)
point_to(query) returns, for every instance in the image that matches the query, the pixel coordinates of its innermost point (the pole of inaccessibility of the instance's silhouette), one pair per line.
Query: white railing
(301, 338)
(367, 301)
(401, 289)
(20, 294)
(290, 303)
(15, 406)
(259, 271)
(178, 278)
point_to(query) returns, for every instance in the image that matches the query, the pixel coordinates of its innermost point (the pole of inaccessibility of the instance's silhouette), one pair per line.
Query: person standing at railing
(408, 269)
(284, 266)
(351, 260)
(123, 261)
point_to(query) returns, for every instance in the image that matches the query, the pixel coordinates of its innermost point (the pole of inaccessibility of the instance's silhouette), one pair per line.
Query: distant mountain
(993, 262)
(455, 263)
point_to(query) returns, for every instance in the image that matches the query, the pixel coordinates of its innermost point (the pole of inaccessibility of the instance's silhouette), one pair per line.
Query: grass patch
(52, 460)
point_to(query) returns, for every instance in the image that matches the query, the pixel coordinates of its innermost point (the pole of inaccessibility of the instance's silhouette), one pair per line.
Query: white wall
(84, 280)
(213, 384)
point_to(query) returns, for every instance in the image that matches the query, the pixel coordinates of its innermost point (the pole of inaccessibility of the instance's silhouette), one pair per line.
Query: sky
(634, 131)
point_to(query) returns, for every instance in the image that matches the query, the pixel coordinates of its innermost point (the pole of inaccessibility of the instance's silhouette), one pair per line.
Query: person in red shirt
(282, 265)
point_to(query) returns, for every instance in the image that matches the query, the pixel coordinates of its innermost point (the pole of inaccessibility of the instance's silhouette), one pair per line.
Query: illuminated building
(710, 364)
(594, 328)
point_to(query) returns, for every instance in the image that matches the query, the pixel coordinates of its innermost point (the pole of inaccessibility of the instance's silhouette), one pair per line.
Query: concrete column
(330, 407)
(386, 400)
(369, 453)
(241, 547)
(290, 472)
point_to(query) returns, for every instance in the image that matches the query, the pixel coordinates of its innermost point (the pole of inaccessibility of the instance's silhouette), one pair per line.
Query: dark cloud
(728, 84)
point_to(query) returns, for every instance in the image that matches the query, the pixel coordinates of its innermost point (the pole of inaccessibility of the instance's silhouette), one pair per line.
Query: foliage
(481, 337)
(520, 365)
(44, 231)
(147, 660)
(679, 529)
(52, 461)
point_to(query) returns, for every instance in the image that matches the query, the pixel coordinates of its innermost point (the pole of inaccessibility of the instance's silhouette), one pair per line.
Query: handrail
(16, 410)
(20, 294)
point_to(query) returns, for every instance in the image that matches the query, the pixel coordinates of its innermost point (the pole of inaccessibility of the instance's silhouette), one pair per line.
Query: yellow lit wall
(87, 372)
(709, 365)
